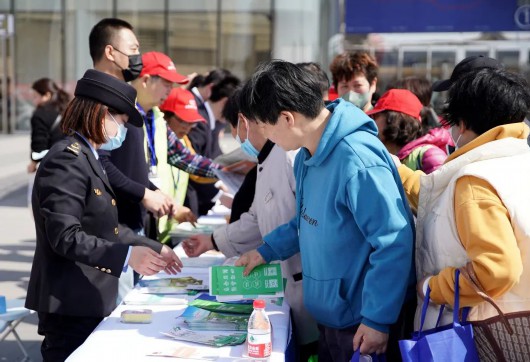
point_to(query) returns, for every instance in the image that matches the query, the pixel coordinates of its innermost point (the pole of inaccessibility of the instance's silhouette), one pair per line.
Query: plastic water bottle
(259, 332)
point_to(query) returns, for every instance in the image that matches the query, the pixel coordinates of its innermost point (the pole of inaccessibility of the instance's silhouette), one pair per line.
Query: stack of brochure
(203, 320)
(208, 302)
(218, 339)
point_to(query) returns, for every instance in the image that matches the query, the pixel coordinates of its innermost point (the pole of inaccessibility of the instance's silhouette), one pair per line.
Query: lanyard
(149, 120)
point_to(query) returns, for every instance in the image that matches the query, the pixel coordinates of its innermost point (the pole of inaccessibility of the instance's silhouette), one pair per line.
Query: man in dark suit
(211, 93)
(81, 249)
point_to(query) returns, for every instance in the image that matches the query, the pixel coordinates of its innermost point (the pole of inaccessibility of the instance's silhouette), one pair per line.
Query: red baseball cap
(399, 100)
(156, 63)
(182, 102)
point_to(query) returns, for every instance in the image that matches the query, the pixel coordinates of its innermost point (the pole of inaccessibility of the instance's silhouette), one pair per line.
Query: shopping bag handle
(456, 308)
(358, 357)
(469, 274)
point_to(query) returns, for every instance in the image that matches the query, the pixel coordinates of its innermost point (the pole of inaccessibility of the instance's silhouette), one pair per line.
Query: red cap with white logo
(182, 103)
(159, 64)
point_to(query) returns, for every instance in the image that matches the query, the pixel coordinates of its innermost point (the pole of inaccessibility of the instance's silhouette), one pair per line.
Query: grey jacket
(273, 205)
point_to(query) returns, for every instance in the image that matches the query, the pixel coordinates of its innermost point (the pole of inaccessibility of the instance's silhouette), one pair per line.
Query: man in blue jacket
(353, 226)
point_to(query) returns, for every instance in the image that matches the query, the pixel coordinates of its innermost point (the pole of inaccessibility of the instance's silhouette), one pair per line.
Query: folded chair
(11, 319)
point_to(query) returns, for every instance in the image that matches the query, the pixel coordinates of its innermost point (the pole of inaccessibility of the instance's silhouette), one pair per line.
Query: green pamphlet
(264, 280)
(213, 306)
(203, 320)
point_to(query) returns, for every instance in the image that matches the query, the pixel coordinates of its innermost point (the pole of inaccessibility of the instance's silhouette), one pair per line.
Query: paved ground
(17, 241)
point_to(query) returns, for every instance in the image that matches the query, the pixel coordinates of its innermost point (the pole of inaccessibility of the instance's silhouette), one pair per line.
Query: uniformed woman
(81, 250)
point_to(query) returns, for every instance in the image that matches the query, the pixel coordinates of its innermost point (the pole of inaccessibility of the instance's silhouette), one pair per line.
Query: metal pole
(63, 42)
(3, 56)
(218, 38)
(114, 8)
(272, 18)
(166, 27)
(12, 73)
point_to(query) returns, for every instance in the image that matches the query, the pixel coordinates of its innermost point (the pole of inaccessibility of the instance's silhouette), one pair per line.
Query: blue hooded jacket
(353, 226)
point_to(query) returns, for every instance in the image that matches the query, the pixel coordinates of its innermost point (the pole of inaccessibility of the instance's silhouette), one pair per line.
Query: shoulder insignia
(73, 148)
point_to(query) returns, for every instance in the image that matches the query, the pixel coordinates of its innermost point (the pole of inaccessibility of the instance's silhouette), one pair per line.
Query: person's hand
(183, 214)
(32, 166)
(369, 340)
(174, 265)
(146, 261)
(250, 260)
(221, 186)
(419, 287)
(396, 160)
(157, 203)
(197, 244)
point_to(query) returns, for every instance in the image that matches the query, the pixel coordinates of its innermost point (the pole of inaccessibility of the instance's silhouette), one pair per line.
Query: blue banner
(403, 16)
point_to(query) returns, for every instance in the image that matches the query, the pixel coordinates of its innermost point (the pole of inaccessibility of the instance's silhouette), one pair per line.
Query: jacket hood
(344, 120)
(439, 137)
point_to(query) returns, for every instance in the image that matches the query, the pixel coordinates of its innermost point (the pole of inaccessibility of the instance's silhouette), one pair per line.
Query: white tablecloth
(115, 341)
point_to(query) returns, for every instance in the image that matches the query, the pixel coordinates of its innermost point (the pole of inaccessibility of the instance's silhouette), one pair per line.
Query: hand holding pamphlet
(228, 282)
(236, 165)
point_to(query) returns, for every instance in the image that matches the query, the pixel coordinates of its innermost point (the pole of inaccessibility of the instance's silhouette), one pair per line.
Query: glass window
(472, 53)
(193, 30)
(443, 63)
(148, 20)
(414, 63)
(81, 16)
(510, 59)
(245, 36)
(388, 62)
(38, 51)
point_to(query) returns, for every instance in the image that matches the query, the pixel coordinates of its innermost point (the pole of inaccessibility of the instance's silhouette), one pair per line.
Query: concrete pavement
(17, 241)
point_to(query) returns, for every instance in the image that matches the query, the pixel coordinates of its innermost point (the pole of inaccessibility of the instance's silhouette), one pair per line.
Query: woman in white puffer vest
(475, 209)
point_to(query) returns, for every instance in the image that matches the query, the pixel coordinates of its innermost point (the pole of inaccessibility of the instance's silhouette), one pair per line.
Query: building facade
(49, 38)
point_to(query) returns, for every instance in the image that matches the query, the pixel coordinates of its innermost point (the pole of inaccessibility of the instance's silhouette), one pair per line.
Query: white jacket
(437, 242)
(273, 205)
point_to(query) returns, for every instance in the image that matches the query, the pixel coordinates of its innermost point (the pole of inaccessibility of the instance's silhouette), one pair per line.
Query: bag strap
(456, 305)
(424, 308)
(469, 274)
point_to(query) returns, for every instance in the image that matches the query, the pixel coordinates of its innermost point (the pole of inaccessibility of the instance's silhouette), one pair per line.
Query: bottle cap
(259, 303)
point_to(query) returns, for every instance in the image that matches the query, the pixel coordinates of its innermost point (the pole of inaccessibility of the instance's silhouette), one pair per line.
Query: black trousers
(336, 345)
(63, 334)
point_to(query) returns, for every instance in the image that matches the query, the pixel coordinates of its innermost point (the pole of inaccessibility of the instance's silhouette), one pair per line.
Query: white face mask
(453, 138)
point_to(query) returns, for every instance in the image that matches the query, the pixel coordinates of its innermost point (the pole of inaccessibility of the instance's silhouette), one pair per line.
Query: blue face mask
(116, 141)
(246, 146)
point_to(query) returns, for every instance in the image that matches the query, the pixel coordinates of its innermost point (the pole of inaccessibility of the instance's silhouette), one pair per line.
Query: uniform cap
(110, 91)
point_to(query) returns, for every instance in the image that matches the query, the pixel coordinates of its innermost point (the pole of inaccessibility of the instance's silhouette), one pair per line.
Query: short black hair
(487, 98)
(318, 72)
(102, 35)
(224, 88)
(278, 86)
(231, 108)
(214, 77)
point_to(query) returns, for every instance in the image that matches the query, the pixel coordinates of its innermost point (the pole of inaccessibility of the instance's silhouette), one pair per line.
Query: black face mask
(135, 67)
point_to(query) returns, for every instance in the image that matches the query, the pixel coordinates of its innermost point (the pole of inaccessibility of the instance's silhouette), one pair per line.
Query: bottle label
(259, 345)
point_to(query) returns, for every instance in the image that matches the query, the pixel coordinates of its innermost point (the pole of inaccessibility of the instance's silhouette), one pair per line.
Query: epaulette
(73, 148)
